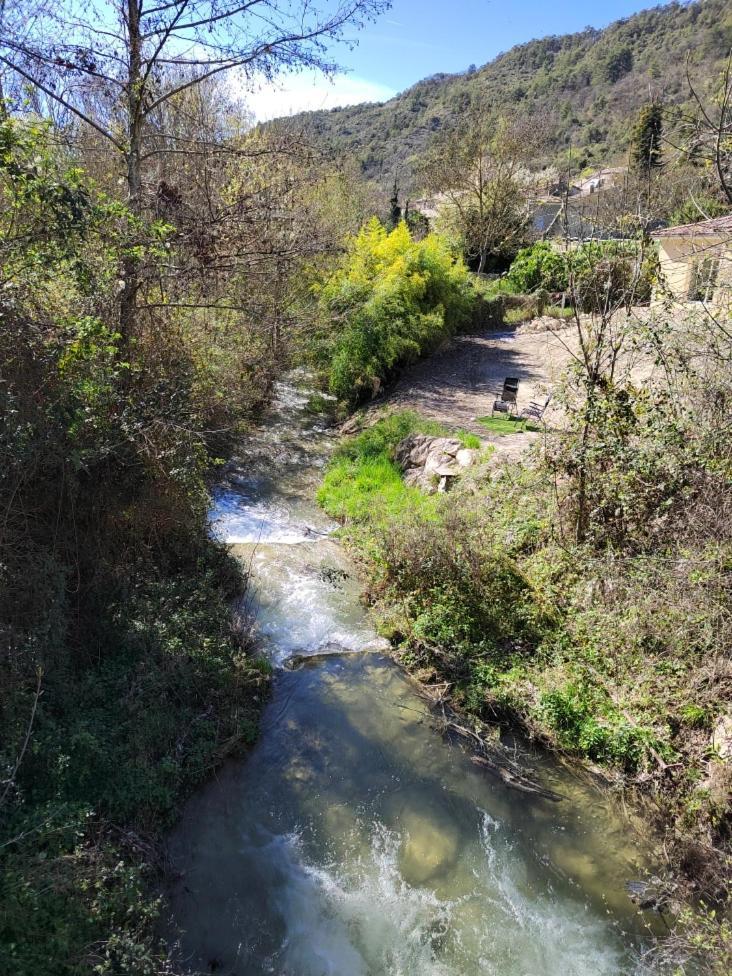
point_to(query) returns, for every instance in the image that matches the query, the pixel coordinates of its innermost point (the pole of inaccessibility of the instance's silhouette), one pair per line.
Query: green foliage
(557, 312)
(538, 266)
(590, 725)
(363, 484)
(590, 84)
(646, 147)
(616, 64)
(110, 589)
(701, 208)
(393, 299)
(597, 275)
(395, 210)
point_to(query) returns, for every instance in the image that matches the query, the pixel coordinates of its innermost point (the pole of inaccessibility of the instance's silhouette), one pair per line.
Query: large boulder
(430, 463)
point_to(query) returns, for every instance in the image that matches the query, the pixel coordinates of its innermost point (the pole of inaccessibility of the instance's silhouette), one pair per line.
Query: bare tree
(114, 63)
(710, 129)
(481, 172)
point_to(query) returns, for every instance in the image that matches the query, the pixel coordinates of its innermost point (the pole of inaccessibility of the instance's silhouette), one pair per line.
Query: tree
(617, 64)
(646, 150)
(709, 129)
(481, 171)
(395, 211)
(113, 64)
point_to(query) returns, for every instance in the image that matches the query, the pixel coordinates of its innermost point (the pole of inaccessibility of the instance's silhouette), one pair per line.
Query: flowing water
(354, 840)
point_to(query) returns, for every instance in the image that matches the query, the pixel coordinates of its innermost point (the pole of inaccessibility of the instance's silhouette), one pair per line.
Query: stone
(413, 450)
(448, 470)
(429, 463)
(448, 445)
(722, 737)
(429, 847)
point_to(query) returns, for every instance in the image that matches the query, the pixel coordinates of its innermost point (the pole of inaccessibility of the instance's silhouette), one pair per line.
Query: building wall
(681, 259)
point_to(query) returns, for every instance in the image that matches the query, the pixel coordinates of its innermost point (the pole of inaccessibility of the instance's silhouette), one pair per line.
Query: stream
(354, 840)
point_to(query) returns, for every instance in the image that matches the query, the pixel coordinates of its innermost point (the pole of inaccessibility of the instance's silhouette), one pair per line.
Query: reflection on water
(354, 841)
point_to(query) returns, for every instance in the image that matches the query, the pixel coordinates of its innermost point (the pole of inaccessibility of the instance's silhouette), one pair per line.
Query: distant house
(696, 263)
(601, 180)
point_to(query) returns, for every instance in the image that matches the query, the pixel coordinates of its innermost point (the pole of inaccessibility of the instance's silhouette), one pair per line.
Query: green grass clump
(363, 486)
(516, 316)
(557, 312)
(507, 425)
(368, 489)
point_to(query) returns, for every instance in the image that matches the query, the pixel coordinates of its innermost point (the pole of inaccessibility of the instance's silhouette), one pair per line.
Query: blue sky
(416, 38)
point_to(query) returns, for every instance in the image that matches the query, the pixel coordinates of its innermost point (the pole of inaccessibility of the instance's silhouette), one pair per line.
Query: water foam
(361, 921)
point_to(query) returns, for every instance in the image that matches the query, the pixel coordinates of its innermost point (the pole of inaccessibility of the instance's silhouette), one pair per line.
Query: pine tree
(646, 148)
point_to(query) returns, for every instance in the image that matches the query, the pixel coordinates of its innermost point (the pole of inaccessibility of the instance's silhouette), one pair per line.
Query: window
(703, 279)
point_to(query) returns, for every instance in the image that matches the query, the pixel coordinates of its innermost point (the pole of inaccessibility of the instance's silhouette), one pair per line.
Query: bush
(112, 596)
(392, 299)
(538, 266)
(596, 275)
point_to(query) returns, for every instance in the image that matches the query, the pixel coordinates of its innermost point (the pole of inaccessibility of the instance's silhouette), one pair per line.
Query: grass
(507, 425)
(516, 316)
(363, 486)
(557, 312)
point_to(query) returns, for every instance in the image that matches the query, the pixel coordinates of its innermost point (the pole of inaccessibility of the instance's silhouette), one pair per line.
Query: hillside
(583, 87)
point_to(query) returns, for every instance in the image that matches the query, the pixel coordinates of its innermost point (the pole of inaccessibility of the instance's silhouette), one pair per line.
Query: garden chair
(535, 411)
(509, 395)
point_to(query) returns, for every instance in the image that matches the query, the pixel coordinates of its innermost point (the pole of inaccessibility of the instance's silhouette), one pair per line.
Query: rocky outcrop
(431, 463)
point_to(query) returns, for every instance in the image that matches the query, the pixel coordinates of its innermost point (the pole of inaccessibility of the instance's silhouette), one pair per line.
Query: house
(601, 180)
(696, 263)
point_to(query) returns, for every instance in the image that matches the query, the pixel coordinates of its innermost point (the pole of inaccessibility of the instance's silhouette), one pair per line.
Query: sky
(418, 38)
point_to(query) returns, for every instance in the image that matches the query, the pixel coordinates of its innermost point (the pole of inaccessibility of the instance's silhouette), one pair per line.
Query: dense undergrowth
(612, 647)
(123, 681)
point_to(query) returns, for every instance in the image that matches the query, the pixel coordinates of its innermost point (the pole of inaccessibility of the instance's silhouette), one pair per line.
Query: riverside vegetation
(145, 278)
(123, 681)
(161, 264)
(584, 596)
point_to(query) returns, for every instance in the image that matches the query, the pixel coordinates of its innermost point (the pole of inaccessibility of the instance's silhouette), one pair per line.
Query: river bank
(354, 838)
(612, 654)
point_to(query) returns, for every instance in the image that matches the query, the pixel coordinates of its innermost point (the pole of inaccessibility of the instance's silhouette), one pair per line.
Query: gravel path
(459, 383)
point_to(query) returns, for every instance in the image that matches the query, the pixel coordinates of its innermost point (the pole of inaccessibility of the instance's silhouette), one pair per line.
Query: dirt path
(458, 384)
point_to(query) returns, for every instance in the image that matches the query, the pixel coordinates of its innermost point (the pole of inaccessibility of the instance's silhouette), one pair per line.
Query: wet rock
(429, 848)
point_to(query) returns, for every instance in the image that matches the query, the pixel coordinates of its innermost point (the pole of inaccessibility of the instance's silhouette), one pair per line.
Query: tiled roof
(716, 227)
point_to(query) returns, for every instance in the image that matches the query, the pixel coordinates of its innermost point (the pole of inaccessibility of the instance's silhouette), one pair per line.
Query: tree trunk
(130, 263)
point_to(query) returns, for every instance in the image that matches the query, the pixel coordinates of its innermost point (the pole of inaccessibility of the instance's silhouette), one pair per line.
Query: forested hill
(584, 87)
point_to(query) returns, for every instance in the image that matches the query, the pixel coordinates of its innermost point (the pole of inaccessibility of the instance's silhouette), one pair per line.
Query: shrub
(538, 266)
(392, 299)
(112, 596)
(596, 274)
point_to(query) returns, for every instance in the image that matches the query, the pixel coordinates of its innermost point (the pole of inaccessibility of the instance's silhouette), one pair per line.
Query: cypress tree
(395, 211)
(646, 149)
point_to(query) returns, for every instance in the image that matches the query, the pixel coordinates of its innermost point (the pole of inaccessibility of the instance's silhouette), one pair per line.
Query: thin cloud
(308, 92)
